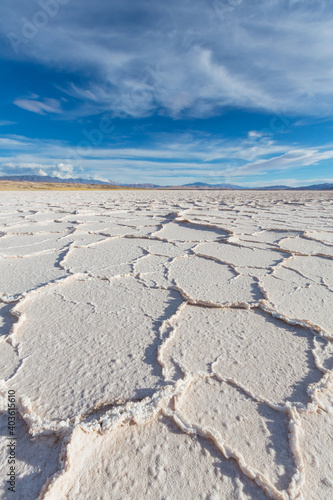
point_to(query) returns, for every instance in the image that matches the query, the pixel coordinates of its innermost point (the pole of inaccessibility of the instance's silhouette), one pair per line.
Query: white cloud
(171, 158)
(22, 166)
(99, 178)
(66, 168)
(255, 134)
(186, 58)
(40, 107)
(289, 160)
(6, 122)
(9, 143)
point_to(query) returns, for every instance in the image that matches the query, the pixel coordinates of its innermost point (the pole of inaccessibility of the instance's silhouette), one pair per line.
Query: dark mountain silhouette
(194, 185)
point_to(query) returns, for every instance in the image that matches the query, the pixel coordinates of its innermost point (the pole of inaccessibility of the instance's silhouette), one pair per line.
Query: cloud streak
(292, 159)
(4, 123)
(169, 159)
(192, 59)
(41, 107)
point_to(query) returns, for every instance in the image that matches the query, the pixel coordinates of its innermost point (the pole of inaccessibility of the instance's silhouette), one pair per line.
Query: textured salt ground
(22, 275)
(306, 246)
(102, 345)
(271, 359)
(302, 289)
(240, 256)
(167, 345)
(258, 432)
(224, 286)
(152, 461)
(20, 245)
(36, 460)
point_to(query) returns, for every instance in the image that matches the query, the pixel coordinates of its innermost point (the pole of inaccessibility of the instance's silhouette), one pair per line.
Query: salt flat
(168, 344)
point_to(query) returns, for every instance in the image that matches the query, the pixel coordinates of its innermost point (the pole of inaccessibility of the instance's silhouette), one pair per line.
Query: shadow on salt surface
(253, 430)
(316, 443)
(6, 319)
(97, 351)
(244, 488)
(278, 443)
(324, 352)
(10, 362)
(152, 461)
(312, 374)
(36, 460)
(312, 377)
(150, 354)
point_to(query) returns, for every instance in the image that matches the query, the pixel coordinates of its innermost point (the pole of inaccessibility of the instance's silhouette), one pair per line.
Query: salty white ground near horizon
(168, 345)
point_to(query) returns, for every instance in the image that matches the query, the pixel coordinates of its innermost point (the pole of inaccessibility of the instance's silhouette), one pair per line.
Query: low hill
(6, 185)
(48, 182)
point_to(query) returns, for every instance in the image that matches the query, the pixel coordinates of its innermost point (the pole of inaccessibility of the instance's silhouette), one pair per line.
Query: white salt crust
(168, 345)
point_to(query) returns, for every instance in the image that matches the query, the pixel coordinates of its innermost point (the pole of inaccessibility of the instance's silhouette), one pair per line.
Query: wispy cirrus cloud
(13, 143)
(290, 160)
(39, 106)
(192, 59)
(4, 123)
(171, 158)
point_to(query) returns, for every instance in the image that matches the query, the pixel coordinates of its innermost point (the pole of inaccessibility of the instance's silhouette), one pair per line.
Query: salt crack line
(215, 437)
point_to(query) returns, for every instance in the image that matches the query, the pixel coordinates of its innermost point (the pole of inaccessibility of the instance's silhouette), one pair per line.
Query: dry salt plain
(168, 345)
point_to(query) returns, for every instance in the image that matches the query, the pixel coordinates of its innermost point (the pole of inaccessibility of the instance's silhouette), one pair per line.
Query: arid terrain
(166, 345)
(59, 186)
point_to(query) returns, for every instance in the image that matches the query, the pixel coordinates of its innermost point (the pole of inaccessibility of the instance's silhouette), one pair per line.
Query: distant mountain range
(48, 178)
(194, 185)
(202, 185)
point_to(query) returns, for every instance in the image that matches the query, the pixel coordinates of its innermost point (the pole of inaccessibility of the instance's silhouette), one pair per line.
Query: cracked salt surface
(168, 345)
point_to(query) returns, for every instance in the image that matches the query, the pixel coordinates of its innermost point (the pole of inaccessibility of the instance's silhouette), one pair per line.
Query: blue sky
(217, 91)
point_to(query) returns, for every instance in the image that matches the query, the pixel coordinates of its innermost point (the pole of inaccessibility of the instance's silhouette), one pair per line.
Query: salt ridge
(118, 245)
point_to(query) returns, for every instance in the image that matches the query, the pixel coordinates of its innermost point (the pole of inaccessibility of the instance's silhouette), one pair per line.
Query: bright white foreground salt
(168, 345)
